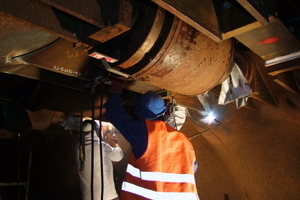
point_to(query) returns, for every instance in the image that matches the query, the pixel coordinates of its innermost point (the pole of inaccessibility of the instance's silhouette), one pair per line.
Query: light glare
(209, 118)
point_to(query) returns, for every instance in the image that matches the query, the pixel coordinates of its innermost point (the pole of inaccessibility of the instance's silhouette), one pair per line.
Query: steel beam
(257, 8)
(199, 14)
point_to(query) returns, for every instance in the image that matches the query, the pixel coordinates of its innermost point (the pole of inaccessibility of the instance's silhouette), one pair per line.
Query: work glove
(117, 85)
(114, 141)
(110, 138)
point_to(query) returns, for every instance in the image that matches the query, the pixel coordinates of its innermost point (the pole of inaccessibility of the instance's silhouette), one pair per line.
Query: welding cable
(81, 135)
(173, 111)
(197, 134)
(92, 154)
(28, 174)
(18, 163)
(100, 136)
(30, 52)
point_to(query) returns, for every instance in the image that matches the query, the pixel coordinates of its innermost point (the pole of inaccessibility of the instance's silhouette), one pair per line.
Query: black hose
(81, 135)
(25, 54)
(18, 163)
(100, 131)
(92, 155)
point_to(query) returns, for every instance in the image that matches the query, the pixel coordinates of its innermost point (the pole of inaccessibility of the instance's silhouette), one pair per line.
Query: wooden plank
(109, 32)
(199, 14)
(263, 94)
(232, 16)
(256, 82)
(241, 30)
(270, 41)
(296, 74)
(291, 65)
(115, 28)
(257, 8)
(268, 90)
(287, 81)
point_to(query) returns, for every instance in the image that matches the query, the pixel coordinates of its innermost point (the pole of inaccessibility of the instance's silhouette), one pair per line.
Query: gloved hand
(117, 85)
(114, 141)
(110, 138)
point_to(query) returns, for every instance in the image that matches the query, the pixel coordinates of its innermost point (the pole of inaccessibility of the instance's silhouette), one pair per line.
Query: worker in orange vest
(162, 163)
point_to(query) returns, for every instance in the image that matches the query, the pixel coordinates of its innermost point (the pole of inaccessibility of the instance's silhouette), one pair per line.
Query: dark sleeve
(133, 130)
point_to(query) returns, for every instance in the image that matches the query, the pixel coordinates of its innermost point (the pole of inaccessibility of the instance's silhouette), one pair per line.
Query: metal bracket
(108, 68)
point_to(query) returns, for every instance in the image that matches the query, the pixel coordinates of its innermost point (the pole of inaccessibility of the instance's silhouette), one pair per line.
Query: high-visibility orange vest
(165, 171)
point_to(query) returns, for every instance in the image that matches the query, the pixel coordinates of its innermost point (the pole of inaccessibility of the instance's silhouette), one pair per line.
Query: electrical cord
(100, 131)
(173, 112)
(95, 83)
(25, 54)
(18, 160)
(92, 154)
(81, 135)
(196, 135)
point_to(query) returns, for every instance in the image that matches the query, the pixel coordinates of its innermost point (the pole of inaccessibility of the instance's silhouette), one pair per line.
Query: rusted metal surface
(43, 17)
(149, 41)
(59, 57)
(189, 62)
(40, 74)
(73, 21)
(18, 38)
(88, 10)
(32, 53)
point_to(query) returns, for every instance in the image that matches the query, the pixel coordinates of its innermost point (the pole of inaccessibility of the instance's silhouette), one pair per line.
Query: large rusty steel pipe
(189, 62)
(164, 51)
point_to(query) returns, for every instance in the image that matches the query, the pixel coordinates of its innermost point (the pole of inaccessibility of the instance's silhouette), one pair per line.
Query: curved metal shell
(189, 62)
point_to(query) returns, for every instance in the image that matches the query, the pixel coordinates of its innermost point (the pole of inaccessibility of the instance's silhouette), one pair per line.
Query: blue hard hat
(150, 105)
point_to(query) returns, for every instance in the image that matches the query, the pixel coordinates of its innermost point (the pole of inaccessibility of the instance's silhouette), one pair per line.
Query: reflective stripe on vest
(151, 194)
(159, 176)
(165, 170)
